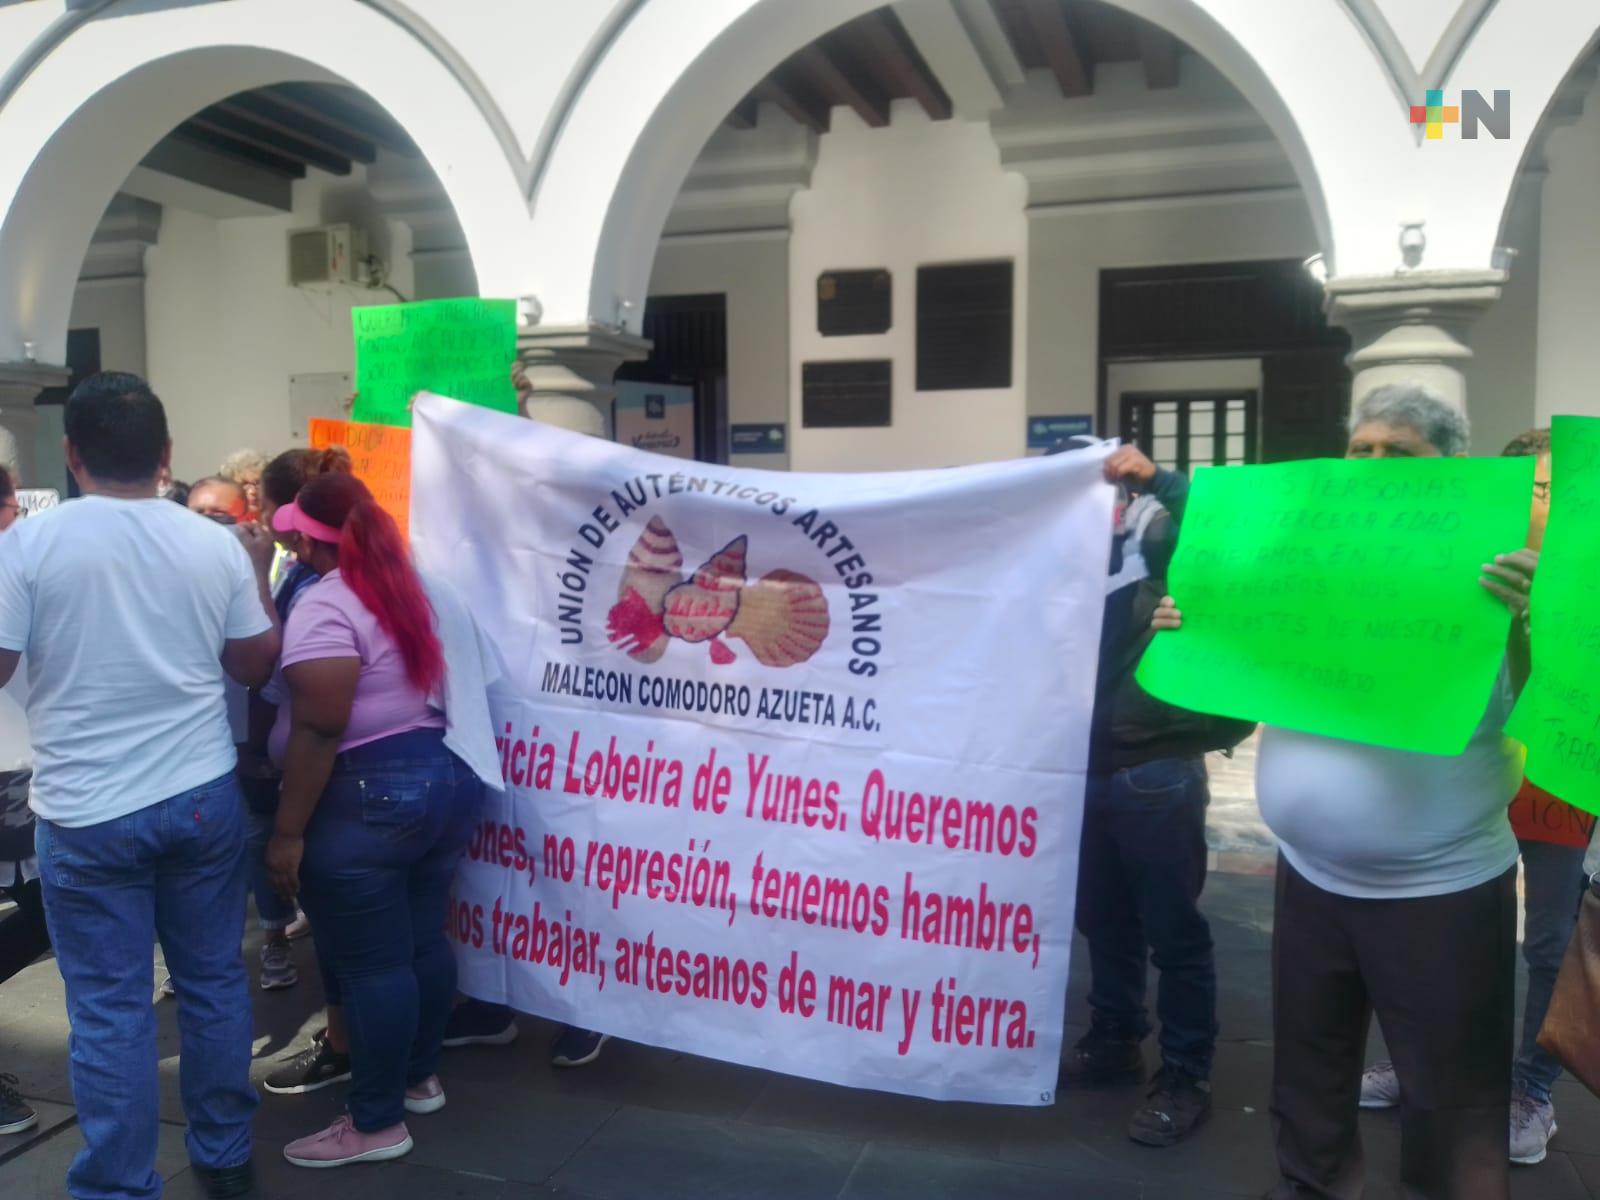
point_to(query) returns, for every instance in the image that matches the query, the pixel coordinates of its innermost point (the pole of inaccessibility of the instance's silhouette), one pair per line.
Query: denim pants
(176, 870)
(380, 857)
(1552, 885)
(1141, 868)
(272, 910)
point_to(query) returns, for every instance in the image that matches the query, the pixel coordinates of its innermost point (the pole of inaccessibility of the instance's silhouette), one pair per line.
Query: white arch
(679, 66)
(1529, 48)
(96, 103)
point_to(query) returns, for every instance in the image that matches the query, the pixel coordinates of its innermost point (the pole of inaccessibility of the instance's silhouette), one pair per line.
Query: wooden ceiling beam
(843, 84)
(1048, 19)
(258, 108)
(278, 164)
(898, 57)
(264, 137)
(1158, 49)
(798, 103)
(321, 102)
(745, 113)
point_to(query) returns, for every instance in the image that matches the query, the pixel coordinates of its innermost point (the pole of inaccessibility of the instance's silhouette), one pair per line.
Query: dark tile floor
(644, 1123)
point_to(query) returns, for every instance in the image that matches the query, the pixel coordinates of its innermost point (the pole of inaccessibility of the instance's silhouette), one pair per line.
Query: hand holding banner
(1558, 716)
(1330, 596)
(794, 763)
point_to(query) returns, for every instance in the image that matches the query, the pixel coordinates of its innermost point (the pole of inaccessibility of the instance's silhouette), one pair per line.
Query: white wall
(226, 331)
(752, 271)
(1569, 266)
(916, 193)
(1502, 377)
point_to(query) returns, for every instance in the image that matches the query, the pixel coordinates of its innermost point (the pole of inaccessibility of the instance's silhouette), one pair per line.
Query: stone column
(1411, 327)
(20, 384)
(569, 373)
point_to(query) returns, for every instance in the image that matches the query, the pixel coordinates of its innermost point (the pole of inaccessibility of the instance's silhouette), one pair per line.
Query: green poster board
(1341, 597)
(1558, 717)
(462, 349)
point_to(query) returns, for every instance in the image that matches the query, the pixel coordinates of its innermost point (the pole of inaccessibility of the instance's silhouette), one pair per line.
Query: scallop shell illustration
(655, 567)
(783, 618)
(702, 608)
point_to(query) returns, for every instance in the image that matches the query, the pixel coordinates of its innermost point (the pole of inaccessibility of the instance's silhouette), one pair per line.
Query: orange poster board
(381, 458)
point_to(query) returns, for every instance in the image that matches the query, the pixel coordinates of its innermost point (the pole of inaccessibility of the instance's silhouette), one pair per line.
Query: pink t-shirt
(329, 621)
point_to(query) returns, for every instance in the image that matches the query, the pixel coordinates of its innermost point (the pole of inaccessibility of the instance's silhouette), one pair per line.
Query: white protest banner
(795, 762)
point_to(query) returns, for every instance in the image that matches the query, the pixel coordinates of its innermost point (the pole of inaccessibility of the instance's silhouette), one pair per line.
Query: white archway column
(1412, 327)
(20, 385)
(570, 373)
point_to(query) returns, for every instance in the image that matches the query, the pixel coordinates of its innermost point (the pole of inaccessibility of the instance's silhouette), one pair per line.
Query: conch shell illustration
(782, 617)
(702, 608)
(655, 567)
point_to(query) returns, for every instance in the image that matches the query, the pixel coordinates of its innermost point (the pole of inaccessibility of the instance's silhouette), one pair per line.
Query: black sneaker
(475, 1023)
(1101, 1061)
(1176, 1105)
(574, 1047)
(15, 1115)
(315, 1067)
(223, 1183)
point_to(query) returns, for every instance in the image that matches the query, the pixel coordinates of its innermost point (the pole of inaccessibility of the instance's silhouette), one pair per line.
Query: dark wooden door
(1305, 400)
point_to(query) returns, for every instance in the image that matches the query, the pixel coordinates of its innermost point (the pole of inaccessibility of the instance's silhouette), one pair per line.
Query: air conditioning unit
(327, 256)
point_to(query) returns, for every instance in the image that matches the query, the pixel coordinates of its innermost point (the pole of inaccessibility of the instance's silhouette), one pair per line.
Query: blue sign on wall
(1044, 432)
(758, 439)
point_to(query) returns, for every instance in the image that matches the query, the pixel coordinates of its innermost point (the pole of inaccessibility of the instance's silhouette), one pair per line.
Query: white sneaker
(1380, 1086)
(1533, 1124)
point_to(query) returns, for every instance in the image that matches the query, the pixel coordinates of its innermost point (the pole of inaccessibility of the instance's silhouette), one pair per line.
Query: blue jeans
(1552, 880)
(380, 856)
(1141, 868)
(176, 869)
(274, 912)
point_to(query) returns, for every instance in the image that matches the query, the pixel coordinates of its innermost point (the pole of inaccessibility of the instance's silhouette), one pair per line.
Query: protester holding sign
(385, 751)
(1142, 862)
(1396, 892)
(1551, 837)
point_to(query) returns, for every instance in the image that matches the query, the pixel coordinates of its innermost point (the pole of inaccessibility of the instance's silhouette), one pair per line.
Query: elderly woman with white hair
(1397, 894)
(244, 468)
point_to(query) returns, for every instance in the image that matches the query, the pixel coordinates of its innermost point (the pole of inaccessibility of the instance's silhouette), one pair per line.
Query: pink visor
(292, 519)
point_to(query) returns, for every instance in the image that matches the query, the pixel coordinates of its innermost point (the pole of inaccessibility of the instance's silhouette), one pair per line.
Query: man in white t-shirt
(131, 610)
(1397, 895)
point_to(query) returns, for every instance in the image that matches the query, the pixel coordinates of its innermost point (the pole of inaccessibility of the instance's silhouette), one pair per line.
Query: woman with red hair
(378, 798)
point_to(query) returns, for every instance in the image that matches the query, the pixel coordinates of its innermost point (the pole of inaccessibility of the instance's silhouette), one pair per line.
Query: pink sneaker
(425, 1097)
(341, 1144)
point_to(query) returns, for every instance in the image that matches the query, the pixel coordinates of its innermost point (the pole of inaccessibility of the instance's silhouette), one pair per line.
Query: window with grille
(1183, 430)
